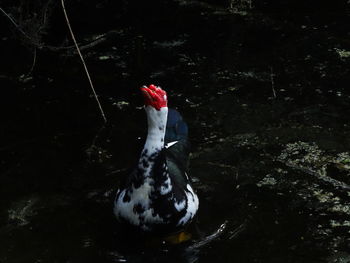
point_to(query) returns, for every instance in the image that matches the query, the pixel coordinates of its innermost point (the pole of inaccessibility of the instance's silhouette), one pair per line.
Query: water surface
(264, 92)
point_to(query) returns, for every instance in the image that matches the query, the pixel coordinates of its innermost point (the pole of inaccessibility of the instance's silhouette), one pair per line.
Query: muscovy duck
(158, 197)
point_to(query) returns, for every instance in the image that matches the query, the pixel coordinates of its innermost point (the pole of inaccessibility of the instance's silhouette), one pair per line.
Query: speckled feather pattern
(153, 200)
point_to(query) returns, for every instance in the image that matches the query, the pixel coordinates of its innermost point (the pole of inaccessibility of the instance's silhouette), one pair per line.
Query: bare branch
(272, 83)
(41, 46)
(15, 24)
(33, 64)
(82, 60)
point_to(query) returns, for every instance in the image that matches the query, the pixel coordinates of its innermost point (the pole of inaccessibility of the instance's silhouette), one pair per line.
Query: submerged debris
(304, 155)
(21, 211)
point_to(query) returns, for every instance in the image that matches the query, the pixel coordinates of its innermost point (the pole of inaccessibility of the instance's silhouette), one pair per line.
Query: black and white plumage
(158, 196)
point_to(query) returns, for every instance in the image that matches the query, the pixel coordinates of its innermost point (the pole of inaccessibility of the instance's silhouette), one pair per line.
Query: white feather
(192, 206)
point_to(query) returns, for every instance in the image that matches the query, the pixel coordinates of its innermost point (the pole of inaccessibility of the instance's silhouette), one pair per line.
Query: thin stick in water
(33, 64)
(82, 60)
(14, 23)
(272, 83)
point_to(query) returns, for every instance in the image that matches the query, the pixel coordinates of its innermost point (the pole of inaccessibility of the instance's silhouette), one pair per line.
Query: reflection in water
(138, 249)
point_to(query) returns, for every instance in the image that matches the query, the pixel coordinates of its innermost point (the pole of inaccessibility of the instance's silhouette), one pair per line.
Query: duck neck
(156, 120)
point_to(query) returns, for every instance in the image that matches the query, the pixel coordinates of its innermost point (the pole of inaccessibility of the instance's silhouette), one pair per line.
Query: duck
(157, 197)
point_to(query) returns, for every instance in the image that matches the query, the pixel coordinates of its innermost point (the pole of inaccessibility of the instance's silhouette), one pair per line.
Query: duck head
(154, 96)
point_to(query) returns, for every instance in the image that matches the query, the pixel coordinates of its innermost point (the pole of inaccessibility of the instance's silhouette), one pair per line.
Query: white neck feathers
(156, 120)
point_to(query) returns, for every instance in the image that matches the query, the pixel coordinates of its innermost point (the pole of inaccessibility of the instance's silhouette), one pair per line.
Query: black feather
(168, 163)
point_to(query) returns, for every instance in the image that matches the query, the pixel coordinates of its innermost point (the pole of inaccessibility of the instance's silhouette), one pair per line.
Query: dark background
(263, 86)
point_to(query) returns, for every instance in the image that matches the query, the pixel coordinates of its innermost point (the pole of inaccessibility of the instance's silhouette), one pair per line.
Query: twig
(272, 83)
(93, 43)
(238, 230)
(34, 62)
(42, 46)
(44, 16)
(209, 238)
(82, 60)
(15, 24)
(89, 45)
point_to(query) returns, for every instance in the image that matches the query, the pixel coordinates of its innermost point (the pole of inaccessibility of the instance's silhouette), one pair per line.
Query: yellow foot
(178, 238)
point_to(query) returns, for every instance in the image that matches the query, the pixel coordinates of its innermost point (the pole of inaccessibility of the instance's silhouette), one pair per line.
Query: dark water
(264, 89)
